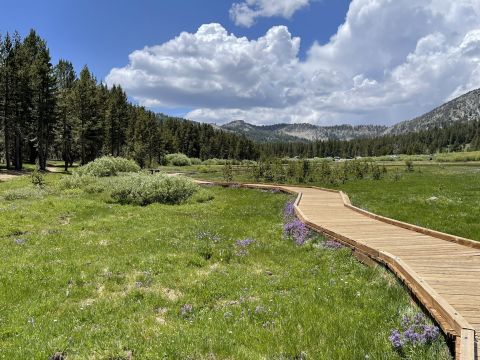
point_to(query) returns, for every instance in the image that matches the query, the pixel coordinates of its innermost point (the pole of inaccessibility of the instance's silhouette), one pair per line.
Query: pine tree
(65, 80)
(116, 122)
(42, 90)
(88, 127)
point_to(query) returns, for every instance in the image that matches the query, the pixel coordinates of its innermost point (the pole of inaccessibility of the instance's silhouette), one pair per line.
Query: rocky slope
(464, 108)
(302, 132)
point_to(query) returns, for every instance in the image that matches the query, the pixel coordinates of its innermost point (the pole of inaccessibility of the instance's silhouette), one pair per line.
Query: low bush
(215, 162)
(37, 178)
(458, 157)
(195, 161)
(108, 166)
(178, 159)
(203, 196)
(25, 193)
(205, 169)
(76, 181)
(142, 189)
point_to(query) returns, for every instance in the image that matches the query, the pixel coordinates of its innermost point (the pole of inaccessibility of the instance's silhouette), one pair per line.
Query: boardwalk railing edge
(448, 318)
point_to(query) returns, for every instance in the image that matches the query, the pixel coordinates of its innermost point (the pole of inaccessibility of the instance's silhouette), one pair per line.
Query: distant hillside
(302, 132)
(464, 109)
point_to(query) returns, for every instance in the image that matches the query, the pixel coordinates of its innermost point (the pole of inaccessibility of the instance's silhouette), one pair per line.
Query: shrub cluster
(178, 159)
(34, 192)
(305, 171)
(460, 156)
(108, 166)
(76, 181)
(142, 189)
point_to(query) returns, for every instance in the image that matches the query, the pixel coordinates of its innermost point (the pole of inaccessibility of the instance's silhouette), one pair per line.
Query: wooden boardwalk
(443, 271)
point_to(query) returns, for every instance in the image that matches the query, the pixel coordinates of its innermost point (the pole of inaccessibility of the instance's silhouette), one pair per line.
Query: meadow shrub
(458, 157)
(178, 159)
(37, 178)
(408, 165)
(76, 181)
(203, 196)
(227, 173)
(377, 173)
(108, 166)
(195, 161)
(215, 161)
(25, 193)
(142, 189)
(205, 169)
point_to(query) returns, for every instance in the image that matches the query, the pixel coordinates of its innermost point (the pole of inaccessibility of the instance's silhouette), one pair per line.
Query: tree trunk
(18, 149)
(6, 128)
(7, 143)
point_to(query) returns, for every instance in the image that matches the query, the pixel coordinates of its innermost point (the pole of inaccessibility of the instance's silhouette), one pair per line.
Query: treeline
(48, 112)
(456, 137)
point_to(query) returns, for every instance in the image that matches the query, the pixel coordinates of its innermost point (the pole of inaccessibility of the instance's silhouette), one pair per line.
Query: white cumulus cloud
(389, 61)
(245, 13)
(212, 68)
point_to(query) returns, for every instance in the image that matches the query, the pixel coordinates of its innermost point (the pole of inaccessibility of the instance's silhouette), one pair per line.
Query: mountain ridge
(464, 108)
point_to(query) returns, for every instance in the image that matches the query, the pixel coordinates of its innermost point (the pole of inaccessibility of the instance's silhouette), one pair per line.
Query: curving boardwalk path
(443, 271)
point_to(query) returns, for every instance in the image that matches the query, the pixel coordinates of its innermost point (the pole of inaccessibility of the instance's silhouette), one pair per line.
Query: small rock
(433, 198)
(57, 356)
(20, 241)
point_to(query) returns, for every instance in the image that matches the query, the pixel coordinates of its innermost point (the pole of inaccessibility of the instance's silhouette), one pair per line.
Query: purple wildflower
(396, 339)
(412, 336)
(289, 211)
(242, 252)
(332, 244)
(431, 333)
(245, 242)
(418, 319)
(297, 230)
(415, 332)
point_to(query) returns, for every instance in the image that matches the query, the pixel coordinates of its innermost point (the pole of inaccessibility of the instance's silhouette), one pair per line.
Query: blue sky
(324, 62)
(101, 33)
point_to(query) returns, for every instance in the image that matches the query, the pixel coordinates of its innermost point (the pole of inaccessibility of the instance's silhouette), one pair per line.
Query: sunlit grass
(97, 280)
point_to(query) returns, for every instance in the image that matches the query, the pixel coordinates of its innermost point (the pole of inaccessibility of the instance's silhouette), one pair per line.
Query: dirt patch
(9, 175)
(172, 295)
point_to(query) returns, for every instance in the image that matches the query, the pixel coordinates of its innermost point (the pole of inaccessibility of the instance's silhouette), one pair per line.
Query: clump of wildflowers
(245, 243)
(396, 339)
(242, 246)
(296, 230)
(332, 244)
(289, 211)
(414, 332)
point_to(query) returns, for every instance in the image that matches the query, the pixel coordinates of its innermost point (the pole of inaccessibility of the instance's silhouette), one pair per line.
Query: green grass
(443, 197)
(98, 280)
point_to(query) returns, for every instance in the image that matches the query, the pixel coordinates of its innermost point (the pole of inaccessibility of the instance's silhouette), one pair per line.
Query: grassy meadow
(89, 278)
(443, 197)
